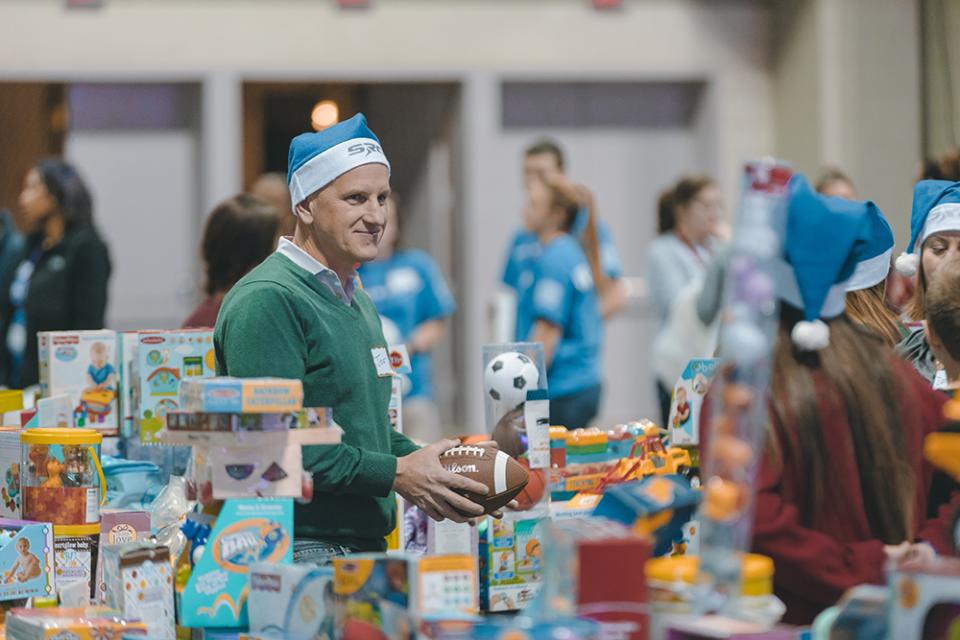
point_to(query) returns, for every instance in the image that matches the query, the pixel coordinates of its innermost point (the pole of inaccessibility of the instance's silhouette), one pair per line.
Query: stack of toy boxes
(83, 366)
(511, 557)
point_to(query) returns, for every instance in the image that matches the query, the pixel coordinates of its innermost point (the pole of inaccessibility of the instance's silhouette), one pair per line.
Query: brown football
(504, 476)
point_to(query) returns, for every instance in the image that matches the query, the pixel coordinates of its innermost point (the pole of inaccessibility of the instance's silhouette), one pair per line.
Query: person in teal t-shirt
(300, 314)
(561, 308)
(409, 291)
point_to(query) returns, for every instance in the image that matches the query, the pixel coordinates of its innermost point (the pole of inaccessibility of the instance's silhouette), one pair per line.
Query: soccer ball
(508, 378)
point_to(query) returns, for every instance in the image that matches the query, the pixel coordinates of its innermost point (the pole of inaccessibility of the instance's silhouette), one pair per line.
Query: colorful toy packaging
(119, 528)
(164, 360)
(657, 506)
(87, 623)
(26, 560)
(9, 472)
(241, 395)
(83, 365)
(140, 585)
(684, 425)
(511, 559)
(420, 534)
(75, 556)
(228, 422)
(446, 584)
(60, 475)
(246, 532)
(127, 342)
(374, 592)
(292, 601)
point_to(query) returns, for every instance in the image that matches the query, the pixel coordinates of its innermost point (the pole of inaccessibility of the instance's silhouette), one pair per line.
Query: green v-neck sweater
(280, 321)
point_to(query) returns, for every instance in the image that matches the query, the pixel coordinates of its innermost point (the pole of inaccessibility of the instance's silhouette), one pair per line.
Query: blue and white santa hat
(317, 159)
(873, 253)
(936, 208)
(819, 257)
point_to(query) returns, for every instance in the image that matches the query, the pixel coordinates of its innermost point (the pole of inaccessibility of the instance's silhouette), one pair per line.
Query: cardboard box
(83, 365)
(26, 560)
(291, 601)
(229, 422)
(127, 342)
(241, 395)
(694, 382)
(511, 558)
(246, 532)
(164, 360)
(117, 528)
(59, 623)
(74, 559)
(141, 586)
(10, 493)
(374, 594)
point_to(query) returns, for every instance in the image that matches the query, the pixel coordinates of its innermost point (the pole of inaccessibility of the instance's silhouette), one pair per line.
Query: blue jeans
(577, 409)
(308, 551)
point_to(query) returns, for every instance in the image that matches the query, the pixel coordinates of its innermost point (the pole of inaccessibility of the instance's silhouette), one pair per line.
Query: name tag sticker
(381, 360)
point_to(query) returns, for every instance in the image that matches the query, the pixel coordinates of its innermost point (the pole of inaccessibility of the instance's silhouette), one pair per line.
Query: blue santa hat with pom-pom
(820, 256)
(936, 208)
(873, 253)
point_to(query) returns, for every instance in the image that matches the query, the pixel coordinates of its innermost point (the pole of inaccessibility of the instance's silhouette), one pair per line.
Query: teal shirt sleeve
(401, 445)
(258, 334)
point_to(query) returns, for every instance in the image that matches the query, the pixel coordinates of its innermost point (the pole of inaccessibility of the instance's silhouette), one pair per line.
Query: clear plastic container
(62, 481)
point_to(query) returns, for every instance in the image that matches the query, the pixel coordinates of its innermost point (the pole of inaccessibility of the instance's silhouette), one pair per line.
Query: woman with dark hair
(842, 483)
(240, 233)
(60, 283)
(689, 223)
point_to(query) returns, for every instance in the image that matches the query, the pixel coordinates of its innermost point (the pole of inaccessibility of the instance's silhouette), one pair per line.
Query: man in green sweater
(300, 315)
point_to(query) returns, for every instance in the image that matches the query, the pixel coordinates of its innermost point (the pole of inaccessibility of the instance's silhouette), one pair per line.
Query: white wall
(143, 184)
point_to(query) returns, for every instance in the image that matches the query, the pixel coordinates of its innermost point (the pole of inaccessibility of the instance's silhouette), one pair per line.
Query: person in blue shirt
(560, 307)
(408, 290)
(545, 161)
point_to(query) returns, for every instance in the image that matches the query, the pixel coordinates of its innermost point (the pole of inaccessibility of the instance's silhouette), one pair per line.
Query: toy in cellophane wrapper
(165, 359)
(87, 623)
(26, 560)
(247, 531)
(83, 365)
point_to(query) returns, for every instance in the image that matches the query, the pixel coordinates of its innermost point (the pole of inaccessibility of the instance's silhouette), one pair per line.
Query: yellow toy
(54, 468)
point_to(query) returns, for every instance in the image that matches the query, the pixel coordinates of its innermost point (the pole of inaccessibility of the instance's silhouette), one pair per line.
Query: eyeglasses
(710, 206)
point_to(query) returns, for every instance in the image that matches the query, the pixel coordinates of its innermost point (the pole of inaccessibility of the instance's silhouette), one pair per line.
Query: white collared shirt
(324, 274)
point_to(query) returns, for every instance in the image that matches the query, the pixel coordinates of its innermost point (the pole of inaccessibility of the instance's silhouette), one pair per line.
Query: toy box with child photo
(83, 365)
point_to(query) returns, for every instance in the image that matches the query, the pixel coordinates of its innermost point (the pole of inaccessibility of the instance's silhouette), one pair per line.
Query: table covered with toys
(142, 496)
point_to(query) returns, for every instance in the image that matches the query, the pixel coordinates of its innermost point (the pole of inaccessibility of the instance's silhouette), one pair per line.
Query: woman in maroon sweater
(843, 481)
(240, 233)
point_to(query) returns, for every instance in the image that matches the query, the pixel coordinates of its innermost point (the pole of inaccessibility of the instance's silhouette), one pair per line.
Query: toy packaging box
(307, 418)
(246, 532)
(511, 558)
(447, 584)
(420, 534)
(26, 560)
(684, 427)
(9, 472)
(292, 601)
(61, 623)
(140, 585)
(127, 342)
(83, 365)
(242, 395)
(55, 411)
(75, 560)
(165, 359)
(118, 528)
(374, 599)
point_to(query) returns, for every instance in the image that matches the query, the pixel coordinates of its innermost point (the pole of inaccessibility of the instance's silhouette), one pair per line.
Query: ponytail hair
(571, 200)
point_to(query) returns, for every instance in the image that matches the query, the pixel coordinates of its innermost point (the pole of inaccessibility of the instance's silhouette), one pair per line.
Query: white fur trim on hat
(324, 168)
(907, 264)
(943, 217)
(811, 336)
(870, 272)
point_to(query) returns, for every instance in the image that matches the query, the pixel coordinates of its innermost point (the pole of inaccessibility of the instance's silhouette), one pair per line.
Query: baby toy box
(291, 601)
(26, 560)
(165, 359)
(83, 365)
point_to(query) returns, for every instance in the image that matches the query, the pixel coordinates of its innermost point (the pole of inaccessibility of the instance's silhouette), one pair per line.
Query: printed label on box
(684, 422)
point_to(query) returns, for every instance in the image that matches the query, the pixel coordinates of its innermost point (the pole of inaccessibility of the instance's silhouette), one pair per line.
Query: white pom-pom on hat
(907, 264)
(811, 336)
